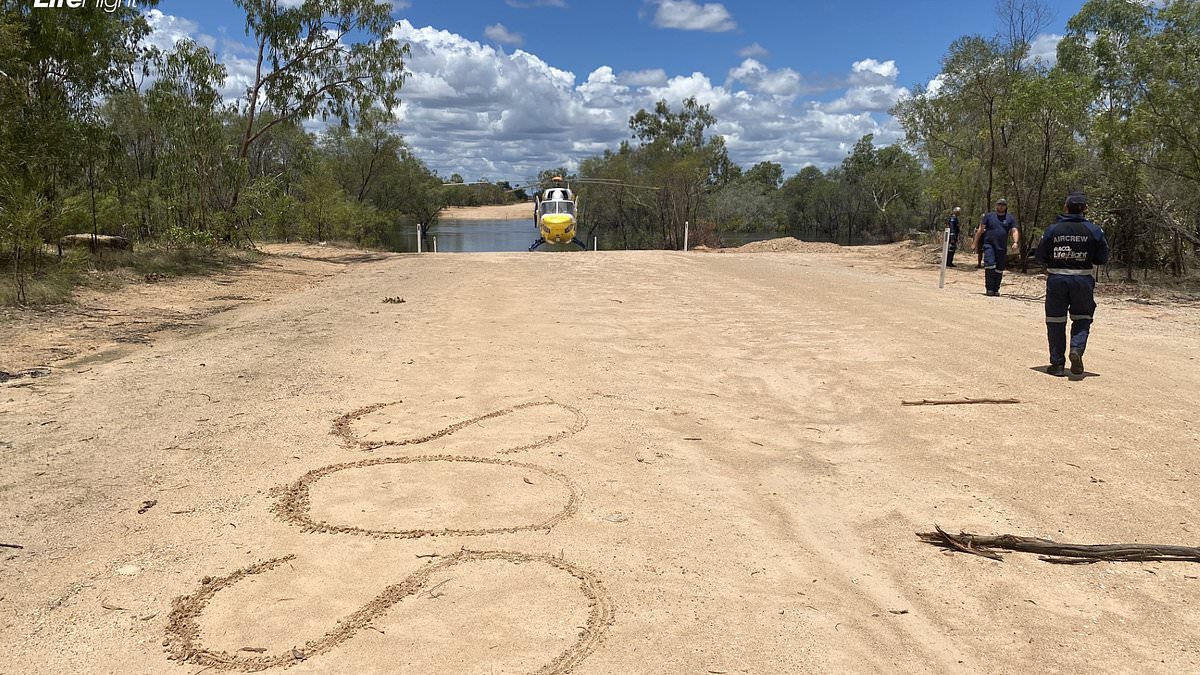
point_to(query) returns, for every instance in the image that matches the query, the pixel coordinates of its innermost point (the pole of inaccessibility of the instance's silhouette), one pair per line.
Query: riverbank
(519, 211)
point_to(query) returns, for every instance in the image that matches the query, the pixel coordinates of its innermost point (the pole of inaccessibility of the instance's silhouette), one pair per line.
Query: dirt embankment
(103, 324)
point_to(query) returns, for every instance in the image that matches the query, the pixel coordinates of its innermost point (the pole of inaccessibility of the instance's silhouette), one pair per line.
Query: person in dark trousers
(952, 223)
(993, 233)
(1069, 249)
(978, 248)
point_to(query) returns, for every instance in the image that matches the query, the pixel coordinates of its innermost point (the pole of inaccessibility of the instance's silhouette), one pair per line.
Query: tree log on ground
(1054, 552)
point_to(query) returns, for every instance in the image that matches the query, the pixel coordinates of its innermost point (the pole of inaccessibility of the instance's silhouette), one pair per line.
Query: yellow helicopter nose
(558, 228)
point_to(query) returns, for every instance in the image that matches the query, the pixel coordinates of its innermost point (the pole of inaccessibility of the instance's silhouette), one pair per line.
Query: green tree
(55, 68)
(185, 105)
(307, 66)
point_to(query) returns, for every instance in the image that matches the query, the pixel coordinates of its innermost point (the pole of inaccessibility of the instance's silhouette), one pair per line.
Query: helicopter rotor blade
(613, 182)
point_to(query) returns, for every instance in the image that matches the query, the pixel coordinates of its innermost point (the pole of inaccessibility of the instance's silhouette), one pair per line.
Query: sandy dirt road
(644, 462)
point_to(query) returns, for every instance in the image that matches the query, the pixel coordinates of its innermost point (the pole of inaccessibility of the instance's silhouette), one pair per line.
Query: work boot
(1056, 370)
(1076, 362)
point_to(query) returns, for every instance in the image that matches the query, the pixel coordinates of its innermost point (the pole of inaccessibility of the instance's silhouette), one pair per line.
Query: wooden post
(945, 252)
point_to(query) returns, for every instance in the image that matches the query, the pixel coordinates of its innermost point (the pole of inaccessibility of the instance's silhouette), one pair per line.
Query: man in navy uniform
(1069, 249)
(994, 232)
(952, 224)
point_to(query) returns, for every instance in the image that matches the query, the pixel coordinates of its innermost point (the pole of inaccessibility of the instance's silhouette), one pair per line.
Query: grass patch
(56, 278)
(51, 287)
(175, 261)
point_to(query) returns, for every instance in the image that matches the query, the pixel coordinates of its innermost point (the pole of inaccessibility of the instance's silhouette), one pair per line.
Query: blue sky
(504, 88)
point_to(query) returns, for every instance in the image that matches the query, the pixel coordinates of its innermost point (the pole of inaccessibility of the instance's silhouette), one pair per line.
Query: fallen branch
(11, 546)
(430, 591)
(965, 401)
(1062, 554)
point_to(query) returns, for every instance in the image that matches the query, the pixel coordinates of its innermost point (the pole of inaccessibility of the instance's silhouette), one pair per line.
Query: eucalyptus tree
(1167, 120)
(185, 105)
(678, 156)
(1103, 45)
(750, 202)
(55, 67)
(311, 61)
(1042, 157)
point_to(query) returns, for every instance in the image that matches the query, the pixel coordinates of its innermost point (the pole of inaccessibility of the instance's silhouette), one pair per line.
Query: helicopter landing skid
(582, 246)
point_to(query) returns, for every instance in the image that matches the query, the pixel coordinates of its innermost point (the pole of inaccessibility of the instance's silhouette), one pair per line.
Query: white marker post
(686, 234)
(418, 237)
(945, 252)
(595, 243)
(435, 244)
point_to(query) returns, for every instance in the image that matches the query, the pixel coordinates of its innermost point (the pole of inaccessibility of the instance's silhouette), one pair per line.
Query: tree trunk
(251, 111)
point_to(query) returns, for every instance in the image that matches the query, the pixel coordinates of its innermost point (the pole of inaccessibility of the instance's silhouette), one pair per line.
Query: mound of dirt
(788, 245)
(906, 251)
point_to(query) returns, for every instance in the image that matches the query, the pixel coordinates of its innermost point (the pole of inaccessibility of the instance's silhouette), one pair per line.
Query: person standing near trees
(1070, 248)
(978, 249)
(993, 234)
(952, 223)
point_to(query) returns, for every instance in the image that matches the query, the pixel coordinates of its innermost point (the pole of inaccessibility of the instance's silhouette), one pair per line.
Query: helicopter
(554, 216)
(556, 208)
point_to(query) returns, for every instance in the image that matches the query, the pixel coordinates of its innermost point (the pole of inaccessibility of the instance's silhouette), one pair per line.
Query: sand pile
(788, 245)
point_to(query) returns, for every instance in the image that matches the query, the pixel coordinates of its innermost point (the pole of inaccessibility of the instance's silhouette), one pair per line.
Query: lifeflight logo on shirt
(1068, 253)
(106, 5)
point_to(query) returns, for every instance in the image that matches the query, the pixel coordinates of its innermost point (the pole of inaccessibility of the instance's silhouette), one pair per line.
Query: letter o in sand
(428, 496)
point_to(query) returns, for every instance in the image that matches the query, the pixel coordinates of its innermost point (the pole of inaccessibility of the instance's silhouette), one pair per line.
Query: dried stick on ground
(965, 401)
(1063, 554)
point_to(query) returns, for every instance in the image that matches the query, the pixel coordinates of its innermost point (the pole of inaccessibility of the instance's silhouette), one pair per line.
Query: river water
(484, 236)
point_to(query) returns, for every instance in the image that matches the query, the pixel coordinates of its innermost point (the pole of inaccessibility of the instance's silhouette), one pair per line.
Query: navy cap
(1077, 199)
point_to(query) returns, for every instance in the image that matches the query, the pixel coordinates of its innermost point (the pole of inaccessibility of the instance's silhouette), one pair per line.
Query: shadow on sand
(1045, 370)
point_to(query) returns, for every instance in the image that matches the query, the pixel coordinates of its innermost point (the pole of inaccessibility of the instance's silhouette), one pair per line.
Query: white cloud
(784, 82)
(499, 34)
(166, 30)
(655, 77)
(935, 85)
(754, 51)
(469, 107)
(472, 109)
(872, 88)
(239, 76)
(690, 15)
(870, 71)
(875, 98)
(1044, 49)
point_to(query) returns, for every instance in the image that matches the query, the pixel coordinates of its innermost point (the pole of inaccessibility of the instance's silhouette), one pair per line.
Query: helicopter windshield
(558, 207)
